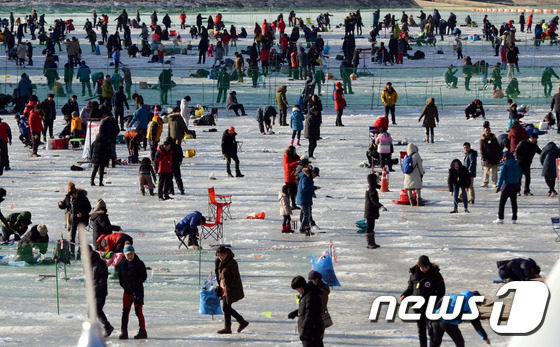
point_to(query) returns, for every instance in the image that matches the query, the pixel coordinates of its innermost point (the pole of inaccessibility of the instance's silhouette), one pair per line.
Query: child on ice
(285, 209)
(371, 211)
(145, 174)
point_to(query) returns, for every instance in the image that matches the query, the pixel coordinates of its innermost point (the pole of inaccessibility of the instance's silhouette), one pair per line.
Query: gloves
(384, 209)
(498, 189)
(293, 314)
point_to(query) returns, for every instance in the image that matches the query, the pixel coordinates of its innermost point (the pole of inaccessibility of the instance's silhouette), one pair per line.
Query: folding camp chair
(215, 228)
(213, 204)
(556, 227)
(181, 238)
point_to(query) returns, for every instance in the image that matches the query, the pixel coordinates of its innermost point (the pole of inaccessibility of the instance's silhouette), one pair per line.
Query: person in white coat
(413, 180)
(285, 209)
(185, 110)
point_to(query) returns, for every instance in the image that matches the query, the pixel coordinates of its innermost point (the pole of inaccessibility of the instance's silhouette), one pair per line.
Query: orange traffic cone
(384, 181)
(156, 111)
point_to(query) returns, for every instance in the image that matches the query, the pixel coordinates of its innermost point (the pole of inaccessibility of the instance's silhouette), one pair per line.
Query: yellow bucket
(189, 153)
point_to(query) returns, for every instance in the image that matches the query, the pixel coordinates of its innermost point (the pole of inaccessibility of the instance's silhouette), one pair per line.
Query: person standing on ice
(458, 178)
(490, 153)
(232, 288)
(549, 154)
(296, 124)
(469, 161)
(132, 274)
(305, 193)
(509, 184)
(524, 153)
(310, 320)
(339, 104)
(389, 97)
(229, 151)
(371, 210)
(425, 280)
(413, 180)
(100, 275)
(431, 118)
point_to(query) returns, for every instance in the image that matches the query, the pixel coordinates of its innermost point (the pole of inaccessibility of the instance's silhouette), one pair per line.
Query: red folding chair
(213, 204)
(214, 228)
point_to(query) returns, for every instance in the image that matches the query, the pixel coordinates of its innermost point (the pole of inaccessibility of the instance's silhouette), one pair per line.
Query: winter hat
(508, 155)
(314, 275)
(486, 124)
(231, 130)
(316, 171)
(24, 217)
(128, 249)
(101, 205)
(42, 229)
(424, 261)
(339, 84)
(298, 282)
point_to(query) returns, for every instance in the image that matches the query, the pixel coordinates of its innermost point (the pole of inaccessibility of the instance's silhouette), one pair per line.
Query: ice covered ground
(466, 246)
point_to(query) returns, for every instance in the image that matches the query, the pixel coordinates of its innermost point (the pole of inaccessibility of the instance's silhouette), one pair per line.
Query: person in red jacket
(516, 134)
(281, 26)
(164, 161)
(5, 138)
(36, 126)
(183, 20)
(113, 242)
(291, 162)
(284, 45)
(339, 103)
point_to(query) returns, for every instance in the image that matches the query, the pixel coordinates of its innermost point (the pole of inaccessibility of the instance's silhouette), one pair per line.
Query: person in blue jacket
(509, 184)
(296, 124)
(306, 190)
(451, 327)
(189, 226)
(141, 118)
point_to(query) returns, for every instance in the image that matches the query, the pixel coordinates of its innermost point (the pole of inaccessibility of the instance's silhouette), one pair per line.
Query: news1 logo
(528, 308)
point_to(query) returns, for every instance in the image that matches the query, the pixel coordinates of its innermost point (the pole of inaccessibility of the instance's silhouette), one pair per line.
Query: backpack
(407, 164)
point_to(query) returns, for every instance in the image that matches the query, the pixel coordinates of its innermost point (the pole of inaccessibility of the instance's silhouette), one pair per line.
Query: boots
(226, 329)
(298, 144)
(123, 335)
(427, 138)
(370, 237)
(152, 192)
(141, 335)
(242, 325)
(432, 138)
(292, 142)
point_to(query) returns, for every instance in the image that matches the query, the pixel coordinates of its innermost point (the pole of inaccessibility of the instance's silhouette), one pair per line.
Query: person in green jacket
(165, 84)
(68, 76)
(497, 76)
(83, 75)
(546, 80)
(468, 70)
(223, 84)
(282, 104)
(449, 76)
(127, 79)
(320, 77)
(92, 37)
(51, 75)
(107, 89)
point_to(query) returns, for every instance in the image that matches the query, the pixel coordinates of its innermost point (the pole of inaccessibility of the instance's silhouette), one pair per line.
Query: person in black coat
(77, 208)
(475, 109)
(371, 210)
(132, 275)
(310, 319)
(229, 151)
(458, 178)
(425, 280)
(469, 161)
(524, 154)
(100, 156)
(518, 269)
(100, 222)
(110, 129)
(49, 111)
(202, 49)
(176, 159)
(119, 103)
(312, 130)
(100, 275)
(549, 154)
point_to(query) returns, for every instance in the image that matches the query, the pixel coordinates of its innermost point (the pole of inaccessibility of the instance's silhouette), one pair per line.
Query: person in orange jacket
(113, 242)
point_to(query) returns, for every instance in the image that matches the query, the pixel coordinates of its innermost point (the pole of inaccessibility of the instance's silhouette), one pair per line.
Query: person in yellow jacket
(154, 133)
(75, 127)
(107, 90)
(389, 97)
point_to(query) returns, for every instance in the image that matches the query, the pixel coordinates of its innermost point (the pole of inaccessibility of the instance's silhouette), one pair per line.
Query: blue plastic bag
(324, 266)
(209, 302)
